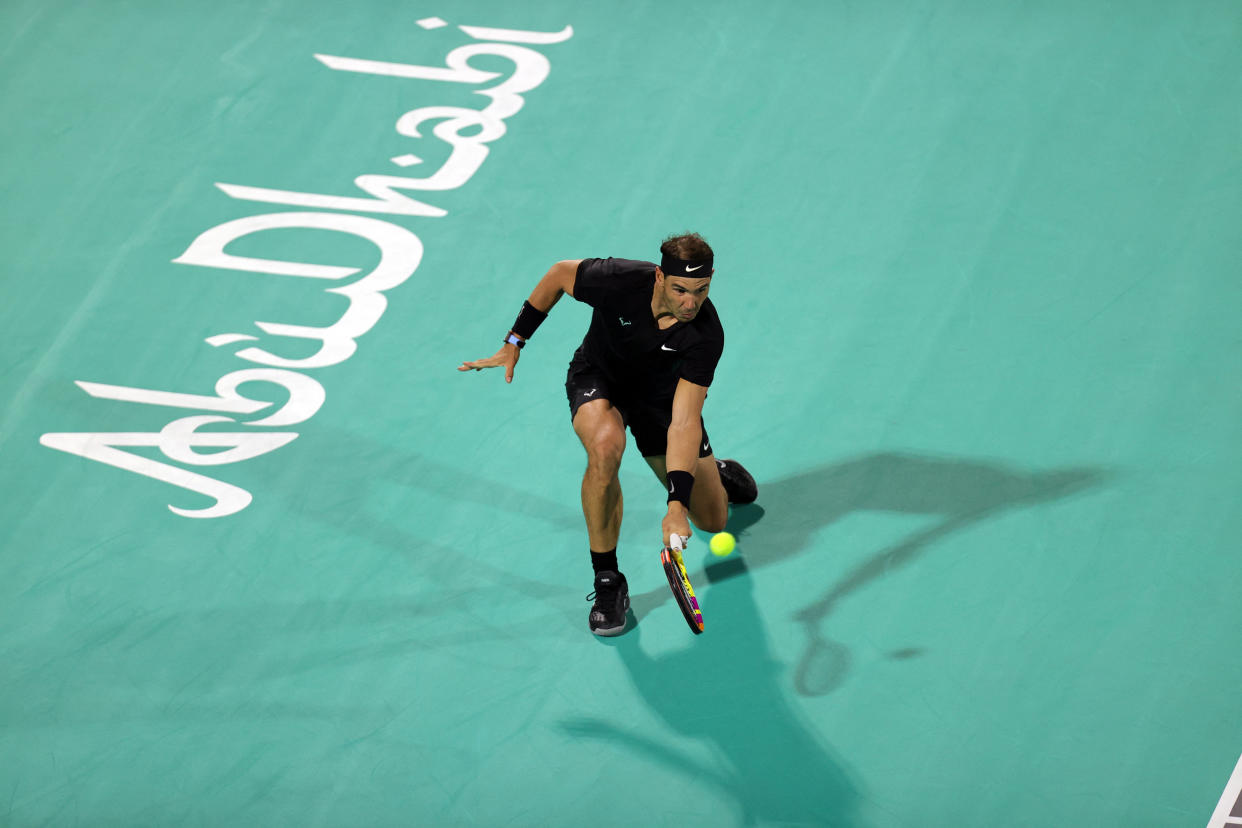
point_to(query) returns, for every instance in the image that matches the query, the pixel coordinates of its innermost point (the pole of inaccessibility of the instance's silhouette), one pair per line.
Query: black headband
(690, 269)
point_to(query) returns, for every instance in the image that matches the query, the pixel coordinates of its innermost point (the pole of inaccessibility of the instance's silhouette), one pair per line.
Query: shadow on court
(724, 688)
(964, 492)
(781, 526)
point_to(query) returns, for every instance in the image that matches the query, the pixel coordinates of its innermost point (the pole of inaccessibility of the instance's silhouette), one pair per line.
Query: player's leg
(601, 428)
(717, 483)
(709, 503)
(602, 431)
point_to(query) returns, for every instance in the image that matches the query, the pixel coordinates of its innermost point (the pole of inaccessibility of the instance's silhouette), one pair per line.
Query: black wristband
(680, 484)
(528, 320)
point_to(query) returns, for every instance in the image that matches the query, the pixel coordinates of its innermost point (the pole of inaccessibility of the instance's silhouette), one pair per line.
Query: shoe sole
(610, 632)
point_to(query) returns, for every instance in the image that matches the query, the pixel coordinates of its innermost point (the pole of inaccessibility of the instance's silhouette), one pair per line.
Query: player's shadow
(724, 688)
(962, 492)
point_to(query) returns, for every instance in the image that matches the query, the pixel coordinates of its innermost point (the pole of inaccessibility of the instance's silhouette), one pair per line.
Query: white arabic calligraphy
(401, 252)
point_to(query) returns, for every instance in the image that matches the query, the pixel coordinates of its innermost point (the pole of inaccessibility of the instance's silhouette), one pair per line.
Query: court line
(1229, 810)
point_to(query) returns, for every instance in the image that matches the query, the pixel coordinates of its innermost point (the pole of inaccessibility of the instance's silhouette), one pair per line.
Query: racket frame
(683, 592)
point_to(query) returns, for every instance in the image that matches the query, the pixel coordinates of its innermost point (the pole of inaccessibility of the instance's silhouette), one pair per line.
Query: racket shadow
(725, 689)
(964, 492)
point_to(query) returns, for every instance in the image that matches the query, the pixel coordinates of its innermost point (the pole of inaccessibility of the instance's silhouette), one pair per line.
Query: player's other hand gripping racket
(679, 583)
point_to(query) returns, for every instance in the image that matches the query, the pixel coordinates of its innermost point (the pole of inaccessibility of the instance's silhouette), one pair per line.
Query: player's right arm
(557, 281)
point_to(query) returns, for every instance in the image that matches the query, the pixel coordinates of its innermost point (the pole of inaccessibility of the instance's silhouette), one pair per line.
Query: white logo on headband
(690, 269)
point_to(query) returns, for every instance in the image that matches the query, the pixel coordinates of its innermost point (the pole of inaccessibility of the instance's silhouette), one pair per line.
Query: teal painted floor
(978, 265)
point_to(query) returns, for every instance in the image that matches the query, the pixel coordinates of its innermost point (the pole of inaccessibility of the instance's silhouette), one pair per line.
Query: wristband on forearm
(528, 320)
(680, 484)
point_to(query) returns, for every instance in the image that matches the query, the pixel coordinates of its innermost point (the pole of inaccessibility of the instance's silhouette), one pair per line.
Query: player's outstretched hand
(506, 356)
(675, 523)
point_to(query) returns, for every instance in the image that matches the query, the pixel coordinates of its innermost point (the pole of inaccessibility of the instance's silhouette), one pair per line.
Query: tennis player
(646, 363)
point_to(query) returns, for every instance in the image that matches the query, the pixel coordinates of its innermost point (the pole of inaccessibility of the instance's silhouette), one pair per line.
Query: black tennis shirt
(624, 340)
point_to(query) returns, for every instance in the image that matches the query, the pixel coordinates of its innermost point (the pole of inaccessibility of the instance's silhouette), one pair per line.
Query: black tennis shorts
(647, 419)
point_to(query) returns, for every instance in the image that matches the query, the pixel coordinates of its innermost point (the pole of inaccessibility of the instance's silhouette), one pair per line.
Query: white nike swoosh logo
(666, 348)
(692, 269)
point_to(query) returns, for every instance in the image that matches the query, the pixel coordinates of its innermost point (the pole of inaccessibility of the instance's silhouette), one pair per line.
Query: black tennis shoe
(612, 599)
(738, 484)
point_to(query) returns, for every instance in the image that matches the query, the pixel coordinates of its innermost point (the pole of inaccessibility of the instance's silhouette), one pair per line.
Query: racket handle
(676, 541)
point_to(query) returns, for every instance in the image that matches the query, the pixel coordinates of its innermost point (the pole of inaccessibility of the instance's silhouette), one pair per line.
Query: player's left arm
(682, 454)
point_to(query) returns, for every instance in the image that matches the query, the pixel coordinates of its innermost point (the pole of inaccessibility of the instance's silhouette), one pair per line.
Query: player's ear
(659, 274)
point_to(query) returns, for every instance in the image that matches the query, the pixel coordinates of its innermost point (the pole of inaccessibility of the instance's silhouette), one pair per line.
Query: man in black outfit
(646, 362)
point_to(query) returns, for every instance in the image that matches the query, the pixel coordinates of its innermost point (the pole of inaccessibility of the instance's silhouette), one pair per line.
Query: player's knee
(711, 523)
(604, 453)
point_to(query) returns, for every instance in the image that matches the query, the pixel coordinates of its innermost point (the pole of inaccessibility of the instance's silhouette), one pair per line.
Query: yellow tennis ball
(722, 544)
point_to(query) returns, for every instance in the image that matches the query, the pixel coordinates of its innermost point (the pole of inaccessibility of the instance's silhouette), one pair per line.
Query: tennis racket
(679, 583)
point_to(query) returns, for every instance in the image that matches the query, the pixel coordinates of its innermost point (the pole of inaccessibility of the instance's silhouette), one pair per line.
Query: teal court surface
(268, 559)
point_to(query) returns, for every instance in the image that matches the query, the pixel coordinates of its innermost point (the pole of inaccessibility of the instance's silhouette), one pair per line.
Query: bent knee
(711, 523)
(604, 452)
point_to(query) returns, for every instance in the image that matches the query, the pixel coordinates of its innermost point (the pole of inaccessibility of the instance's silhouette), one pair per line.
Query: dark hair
(690, 247)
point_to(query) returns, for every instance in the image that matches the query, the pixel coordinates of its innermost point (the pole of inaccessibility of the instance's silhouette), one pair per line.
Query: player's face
(683, 297)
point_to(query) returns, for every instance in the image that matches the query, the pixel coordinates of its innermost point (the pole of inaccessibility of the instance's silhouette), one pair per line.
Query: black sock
(604, 561)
